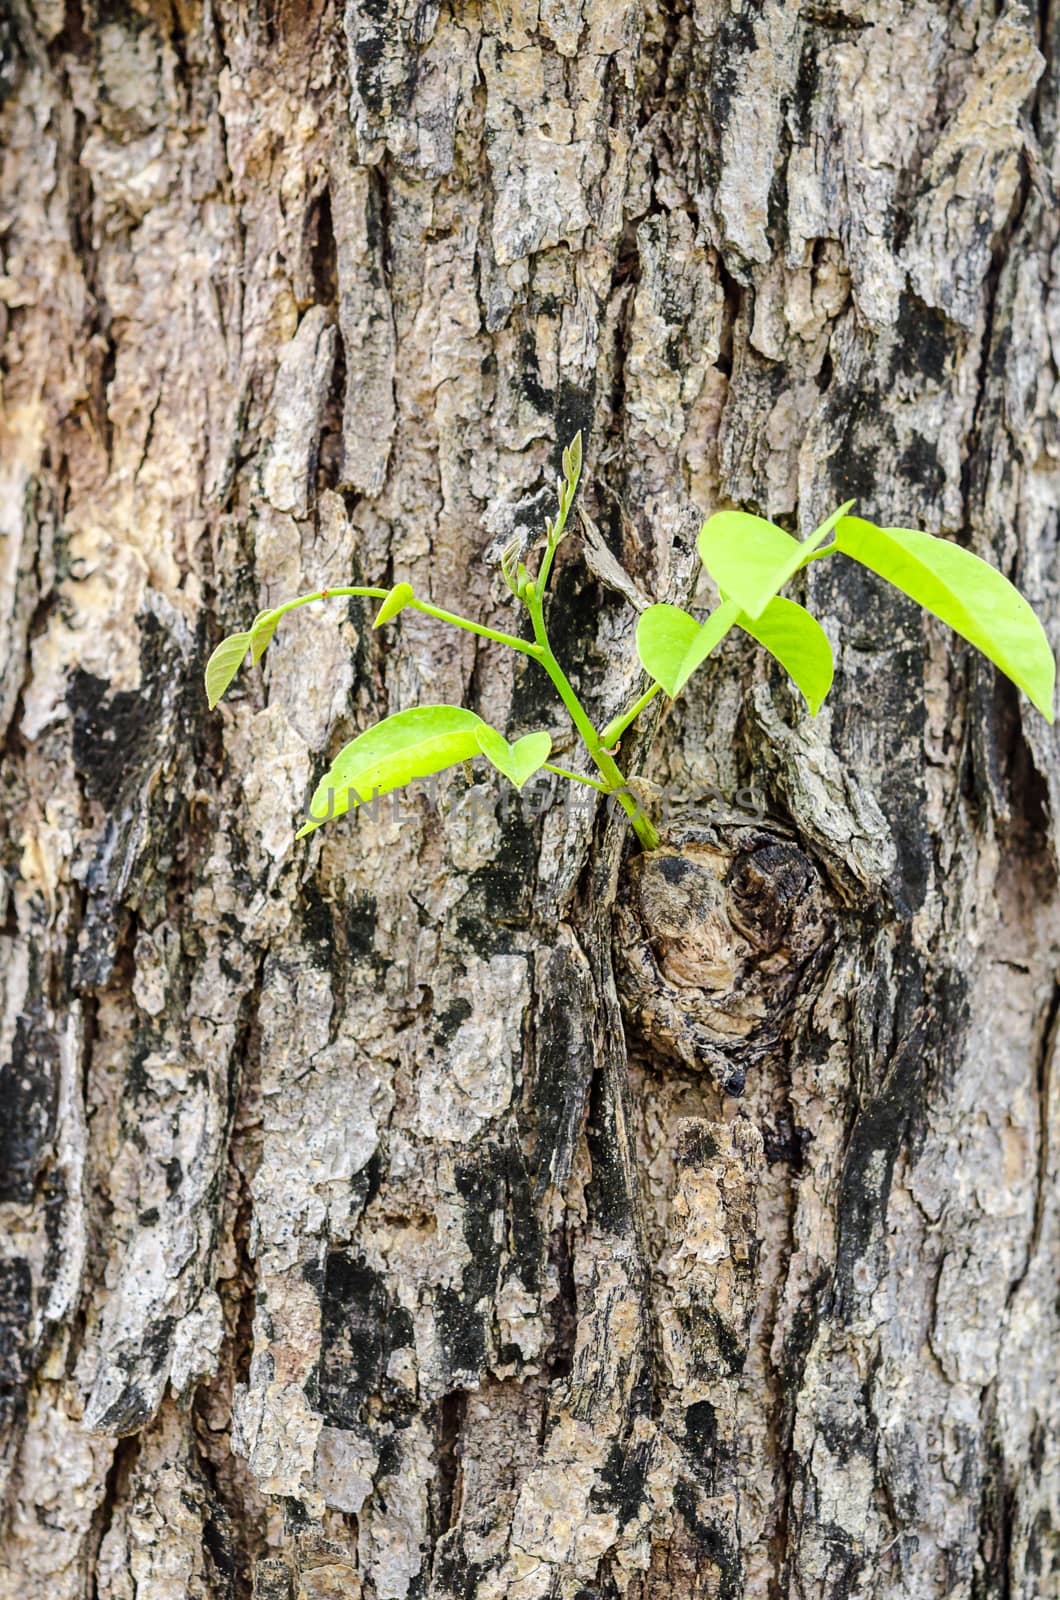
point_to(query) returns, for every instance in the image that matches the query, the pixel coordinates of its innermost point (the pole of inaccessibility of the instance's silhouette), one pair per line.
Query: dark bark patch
(783, 1141)
(115, 735)
(316, 916)
(273, 1581)
(716, 1335)
(878, 1132)
(920, 464)
(463, 1327)
(800, 1334)
(622, 1481)
(610, 1201)
(524, 1232)
(715, 1543)
(499, 895)
(736, 38)
(369, 53)
(447, 1023)
(575, 411)
(360, 1328)
(218, 1545)
(462, 1331)
(847, 1435)
(992, 1574)
(130, 1412)
(675, 869)
(322, 250)
(701, 1436)
(12, 56)
(448, 1426)
(565, 1058)
(856, 462)
(16, 1311)
(28, 1096)
(807, 84)
(120, 743)
(454, 1574)
(361, 914)
(698, 1146)
(530, 376)
(923, 342)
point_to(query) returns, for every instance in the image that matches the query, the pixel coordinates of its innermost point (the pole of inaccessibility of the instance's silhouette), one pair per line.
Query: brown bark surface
(456, 1204)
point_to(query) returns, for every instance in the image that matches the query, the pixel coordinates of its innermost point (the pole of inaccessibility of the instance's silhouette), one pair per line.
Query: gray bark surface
(456, 1205)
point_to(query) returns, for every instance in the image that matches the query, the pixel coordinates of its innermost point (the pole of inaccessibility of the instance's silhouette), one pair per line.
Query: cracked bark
(455, 1205)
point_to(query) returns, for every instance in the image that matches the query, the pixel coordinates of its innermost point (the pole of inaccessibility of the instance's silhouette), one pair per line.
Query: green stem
(522, 645)
(550, 550)
(825, 550)
(576, 777)
(326, 594)
(617, 728)
(571, 488)
(614, 782)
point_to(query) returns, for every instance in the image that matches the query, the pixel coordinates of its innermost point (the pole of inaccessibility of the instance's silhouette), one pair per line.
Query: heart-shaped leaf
(671, 644)
(396, 601)
(799, 643)
(972, 597)
(261, 631)
(224, 664)
(751, 559)
(410, 744)
(518, 761)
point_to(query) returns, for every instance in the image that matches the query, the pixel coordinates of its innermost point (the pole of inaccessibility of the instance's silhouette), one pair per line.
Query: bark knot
(713, 934)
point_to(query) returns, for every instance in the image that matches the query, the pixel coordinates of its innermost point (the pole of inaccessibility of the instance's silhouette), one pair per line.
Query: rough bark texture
(455, 1205)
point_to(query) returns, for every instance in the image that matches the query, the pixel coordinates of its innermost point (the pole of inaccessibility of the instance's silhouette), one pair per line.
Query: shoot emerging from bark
(750, 561)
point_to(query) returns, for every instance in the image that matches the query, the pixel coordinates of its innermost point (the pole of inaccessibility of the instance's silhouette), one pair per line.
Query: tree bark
(460, 1204)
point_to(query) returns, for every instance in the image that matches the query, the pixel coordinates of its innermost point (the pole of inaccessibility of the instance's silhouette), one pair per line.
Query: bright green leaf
(408, 745)
(396, 601)
(971, 596)
(261, 631)
(712, 632)
(826, 527)
(750, 559)
(518, 761)
(799, 643)
(664, 634)
(572, 459)
(671, 644)
(224, 664)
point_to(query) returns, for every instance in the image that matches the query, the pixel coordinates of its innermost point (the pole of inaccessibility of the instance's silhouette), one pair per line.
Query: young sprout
(750, 561)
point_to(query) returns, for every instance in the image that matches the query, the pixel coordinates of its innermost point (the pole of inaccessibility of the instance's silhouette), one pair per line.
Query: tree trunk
(460, 1204)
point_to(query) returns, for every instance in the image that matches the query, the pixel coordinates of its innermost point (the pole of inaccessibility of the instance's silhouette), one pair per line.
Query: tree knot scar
(714, 938)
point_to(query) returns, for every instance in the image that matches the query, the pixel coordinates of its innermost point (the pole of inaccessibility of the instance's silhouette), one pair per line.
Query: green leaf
(261, 631)
(750, 559)
(830, 522)
(965, 592)
(671, 644)
(518, 761)
(408, 745)
(572, 459)
(799, 643)
(396, 601)
(224, 664)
